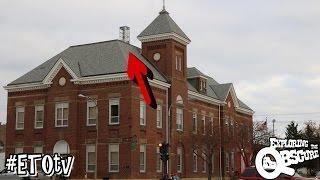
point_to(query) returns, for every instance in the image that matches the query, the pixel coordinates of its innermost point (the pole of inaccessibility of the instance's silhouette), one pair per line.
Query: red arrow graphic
(138, 72)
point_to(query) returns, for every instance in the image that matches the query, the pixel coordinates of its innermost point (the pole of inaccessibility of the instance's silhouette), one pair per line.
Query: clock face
(62, 81)
(156, 56)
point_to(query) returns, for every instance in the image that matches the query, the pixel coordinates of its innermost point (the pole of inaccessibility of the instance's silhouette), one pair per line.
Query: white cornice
(56, 68)
(244, 111)
(204, 98)
(158, 37)
(26, 87)
(101, 79)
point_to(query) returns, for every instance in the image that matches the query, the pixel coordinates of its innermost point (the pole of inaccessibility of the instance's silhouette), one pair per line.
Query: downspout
(220, 163)
(167, 126)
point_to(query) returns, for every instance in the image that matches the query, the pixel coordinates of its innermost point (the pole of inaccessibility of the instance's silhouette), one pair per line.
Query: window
(204, 124)
(179, 119)
(39, 116)
(18, 150)
(142, 156)
(212, 162)
(92, 113)
(159, 162)
(114, 111)
(232, 161)
(39, 150)
(91, 158)
(211, 125)
(114, 158)
(179, 160)
(227, 161)
(179, 62)
(195, 161)
(19, 118)
(204, 160)
(62, 113)
(159, 116)
(194, 122)
(142, 113)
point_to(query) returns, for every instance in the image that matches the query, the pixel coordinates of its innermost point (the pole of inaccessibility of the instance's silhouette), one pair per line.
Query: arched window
(61, 147)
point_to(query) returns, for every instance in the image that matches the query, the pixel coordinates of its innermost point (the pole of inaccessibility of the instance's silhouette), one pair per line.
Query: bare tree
(204, 142)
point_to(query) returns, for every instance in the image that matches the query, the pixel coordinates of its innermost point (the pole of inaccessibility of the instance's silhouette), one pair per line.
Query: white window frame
(179, 62)
(159, 161)
(195, 161)
(91, 149)
(20, 109)
(63, 105)
(92, 104)
(113, 148)
(36, 109)
(179, 122)
(159, 116)
(204, 124)
(18, 150)
(114, 101)
(194, 122)
(204, 165)
(179, 160)
(211, 122)
(143, 149)
(142, 113)
(38, 149)
(227, 162)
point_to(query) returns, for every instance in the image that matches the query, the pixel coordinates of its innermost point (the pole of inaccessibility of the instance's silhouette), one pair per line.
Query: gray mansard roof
(214, 89)
(109, 57)
(161, 25)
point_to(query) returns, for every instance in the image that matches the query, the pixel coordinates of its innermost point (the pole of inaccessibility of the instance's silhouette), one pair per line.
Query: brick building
(58, 106)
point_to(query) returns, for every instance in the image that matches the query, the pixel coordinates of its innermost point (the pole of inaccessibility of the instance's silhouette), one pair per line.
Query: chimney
(124, 34)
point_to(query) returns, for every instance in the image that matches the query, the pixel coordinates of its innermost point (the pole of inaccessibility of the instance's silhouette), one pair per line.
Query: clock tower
(165, 45)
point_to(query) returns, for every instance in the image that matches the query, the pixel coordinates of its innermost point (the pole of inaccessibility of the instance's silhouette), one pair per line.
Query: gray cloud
(268, 49)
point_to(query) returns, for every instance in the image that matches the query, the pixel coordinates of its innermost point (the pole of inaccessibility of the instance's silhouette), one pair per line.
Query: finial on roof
(163, 11)
(163, 4)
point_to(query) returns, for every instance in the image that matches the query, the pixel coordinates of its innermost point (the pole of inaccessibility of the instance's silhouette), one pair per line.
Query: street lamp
(96, 105)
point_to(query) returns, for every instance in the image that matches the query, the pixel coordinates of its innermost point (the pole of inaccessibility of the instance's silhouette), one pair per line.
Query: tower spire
(163, 4)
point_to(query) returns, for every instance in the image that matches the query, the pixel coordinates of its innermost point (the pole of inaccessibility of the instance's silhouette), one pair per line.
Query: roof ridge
(94, 43)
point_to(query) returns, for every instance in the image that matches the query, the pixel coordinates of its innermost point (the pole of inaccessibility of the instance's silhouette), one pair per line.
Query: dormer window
(202, 85)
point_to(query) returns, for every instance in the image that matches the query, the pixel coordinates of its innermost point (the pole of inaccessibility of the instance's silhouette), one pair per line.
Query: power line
(288, 114)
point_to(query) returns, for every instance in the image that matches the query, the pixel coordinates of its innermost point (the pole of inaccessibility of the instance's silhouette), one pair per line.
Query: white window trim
(18, 150)
(179, 152)
(204, 165)
(144, 122)
(195, 168)
(204, 124)
(195, 116)
(159, 119)
(211, 122)
(91, 103)
(89, 149)
(114, 101)
(158, 159)
(177, 118)
(20, 109)
(143, 149)
(34, 149)
(61, 105)
(109, 157)
(38, 108)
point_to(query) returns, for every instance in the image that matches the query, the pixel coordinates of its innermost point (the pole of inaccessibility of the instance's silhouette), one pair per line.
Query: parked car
(251, 173)
(317, 175)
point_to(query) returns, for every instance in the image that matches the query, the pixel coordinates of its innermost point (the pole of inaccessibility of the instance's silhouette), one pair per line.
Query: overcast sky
(270, 49)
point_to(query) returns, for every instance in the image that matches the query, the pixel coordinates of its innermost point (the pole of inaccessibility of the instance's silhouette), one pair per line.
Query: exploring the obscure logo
(270, 162)
(138, 72)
